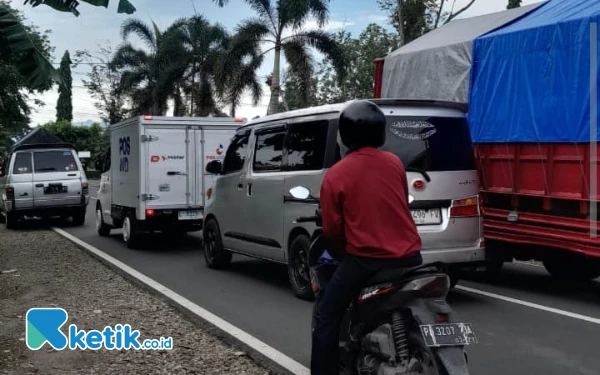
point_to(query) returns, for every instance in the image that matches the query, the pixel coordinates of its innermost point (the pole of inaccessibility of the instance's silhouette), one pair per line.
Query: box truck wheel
(131, 234)
(214, 254)
(101, 227)
(572, 267)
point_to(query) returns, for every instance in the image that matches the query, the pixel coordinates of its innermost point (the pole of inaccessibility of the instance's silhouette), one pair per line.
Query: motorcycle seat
(402, 273)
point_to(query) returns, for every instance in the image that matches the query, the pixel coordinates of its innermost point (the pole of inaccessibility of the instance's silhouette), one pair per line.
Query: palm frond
(32, 64)
(264, 10)
(128, 56)
(141, 29)
(320, 11)
(327, 45)
(300, 61)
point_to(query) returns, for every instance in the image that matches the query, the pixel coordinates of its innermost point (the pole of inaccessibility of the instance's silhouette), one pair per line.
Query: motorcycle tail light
(436, 286)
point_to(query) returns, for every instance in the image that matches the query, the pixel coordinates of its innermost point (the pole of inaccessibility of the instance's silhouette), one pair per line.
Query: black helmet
(362, 124)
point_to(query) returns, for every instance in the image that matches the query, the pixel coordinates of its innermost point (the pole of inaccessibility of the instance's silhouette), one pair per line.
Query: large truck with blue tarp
(532, 113)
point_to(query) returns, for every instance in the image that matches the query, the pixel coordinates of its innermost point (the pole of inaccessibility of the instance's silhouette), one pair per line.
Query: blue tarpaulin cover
(530, 80)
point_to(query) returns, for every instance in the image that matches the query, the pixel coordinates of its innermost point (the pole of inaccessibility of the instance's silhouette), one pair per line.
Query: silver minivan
(43, 177)
(250, 211)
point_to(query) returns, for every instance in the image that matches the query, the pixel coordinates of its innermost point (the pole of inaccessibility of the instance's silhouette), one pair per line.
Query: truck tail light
(466, 207)
(240, 119)
(147, 117)
(10, 193)
(149, 212)
(208, 192)
(85, 188)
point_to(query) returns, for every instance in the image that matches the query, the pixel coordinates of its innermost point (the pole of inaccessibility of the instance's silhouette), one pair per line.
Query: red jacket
(364, 203)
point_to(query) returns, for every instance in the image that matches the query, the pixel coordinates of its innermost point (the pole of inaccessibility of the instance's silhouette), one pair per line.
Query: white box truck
(154, 176)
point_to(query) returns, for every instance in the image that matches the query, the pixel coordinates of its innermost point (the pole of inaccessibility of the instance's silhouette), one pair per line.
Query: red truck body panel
(534, 194)
(538, 194)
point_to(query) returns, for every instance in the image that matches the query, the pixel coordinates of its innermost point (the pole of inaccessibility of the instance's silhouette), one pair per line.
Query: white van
(153, 177)
(250, 211)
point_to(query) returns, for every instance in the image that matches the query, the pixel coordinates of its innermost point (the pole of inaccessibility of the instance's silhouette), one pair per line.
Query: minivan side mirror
(214, 167)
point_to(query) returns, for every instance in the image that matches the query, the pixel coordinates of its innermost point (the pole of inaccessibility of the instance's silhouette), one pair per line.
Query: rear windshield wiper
(421, 171)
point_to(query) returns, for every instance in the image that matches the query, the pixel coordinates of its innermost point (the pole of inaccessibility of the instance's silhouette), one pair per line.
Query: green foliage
(64, 106)
(102, 84)
(513, 4)
(92, 138)
(24, 68)
(71, 5)
(359, 54)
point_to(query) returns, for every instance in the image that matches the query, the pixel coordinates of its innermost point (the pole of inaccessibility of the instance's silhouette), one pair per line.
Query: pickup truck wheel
(298, 270)
(130, 232)
(79, 218)
(101, 227)
(11, 220)
(572, 268)
(215, 255)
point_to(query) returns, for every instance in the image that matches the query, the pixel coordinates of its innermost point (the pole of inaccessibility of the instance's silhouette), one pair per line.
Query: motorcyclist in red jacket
(365, 213)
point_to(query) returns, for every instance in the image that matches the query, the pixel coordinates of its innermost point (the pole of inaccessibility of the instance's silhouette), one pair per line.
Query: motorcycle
(400, 323)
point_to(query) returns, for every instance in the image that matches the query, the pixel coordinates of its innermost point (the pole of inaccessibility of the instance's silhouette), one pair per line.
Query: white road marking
(530, 304)
(262, 348)
(94, 198)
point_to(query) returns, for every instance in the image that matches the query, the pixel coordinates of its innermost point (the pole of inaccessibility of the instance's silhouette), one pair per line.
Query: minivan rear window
(54, 161)
(430, 143)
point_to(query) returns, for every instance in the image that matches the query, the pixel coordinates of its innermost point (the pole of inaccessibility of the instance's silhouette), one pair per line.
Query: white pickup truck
(154, 176)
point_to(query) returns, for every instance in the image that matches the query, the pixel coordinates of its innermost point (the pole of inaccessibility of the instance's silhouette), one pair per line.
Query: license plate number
(455, 334)
(190, 215)
(427, 217)
(55, 190)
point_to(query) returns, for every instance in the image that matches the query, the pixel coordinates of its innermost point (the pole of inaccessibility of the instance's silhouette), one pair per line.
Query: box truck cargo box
(154, 175)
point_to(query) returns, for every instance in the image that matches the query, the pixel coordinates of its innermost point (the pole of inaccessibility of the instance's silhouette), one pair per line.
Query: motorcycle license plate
(452, 334)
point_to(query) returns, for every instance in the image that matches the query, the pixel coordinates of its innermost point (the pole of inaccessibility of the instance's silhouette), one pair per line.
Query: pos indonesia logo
(124, 152)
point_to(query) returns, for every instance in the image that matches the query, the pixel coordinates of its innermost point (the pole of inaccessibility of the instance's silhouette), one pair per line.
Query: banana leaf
(71, 5)
(15, 41)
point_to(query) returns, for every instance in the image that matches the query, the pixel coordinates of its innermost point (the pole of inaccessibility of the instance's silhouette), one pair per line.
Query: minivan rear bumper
(459, 256)
(50, 211)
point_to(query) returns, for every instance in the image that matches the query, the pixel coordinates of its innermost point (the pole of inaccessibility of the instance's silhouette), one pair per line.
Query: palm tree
(204, 45)
(275, 16)
(151, 76)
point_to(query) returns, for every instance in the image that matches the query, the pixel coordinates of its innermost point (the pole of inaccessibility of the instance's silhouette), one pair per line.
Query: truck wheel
(101, 227)
(130, 232)
(11, 220)
(79, 218)
(298, 271)
(572, 267)
(215, 255)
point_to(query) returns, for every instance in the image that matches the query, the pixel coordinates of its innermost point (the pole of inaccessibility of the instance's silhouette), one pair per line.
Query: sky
(99, 26)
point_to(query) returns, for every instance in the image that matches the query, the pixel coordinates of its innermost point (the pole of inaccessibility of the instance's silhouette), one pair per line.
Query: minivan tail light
(466, 207)
(10, 193)
(85, 188)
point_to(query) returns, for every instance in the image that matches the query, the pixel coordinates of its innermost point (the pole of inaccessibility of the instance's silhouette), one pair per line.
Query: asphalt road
(255, 296)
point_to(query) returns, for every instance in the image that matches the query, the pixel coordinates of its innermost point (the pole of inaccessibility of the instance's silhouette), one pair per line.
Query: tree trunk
(232, 112)
(274, 102)
(400, 15)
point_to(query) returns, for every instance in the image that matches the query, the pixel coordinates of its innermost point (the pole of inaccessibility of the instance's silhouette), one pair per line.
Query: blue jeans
(345, 284)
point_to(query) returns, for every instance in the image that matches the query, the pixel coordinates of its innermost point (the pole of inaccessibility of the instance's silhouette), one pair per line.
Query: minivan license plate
(190, 215)
(427, 217)
(454, 334)
(54, 189)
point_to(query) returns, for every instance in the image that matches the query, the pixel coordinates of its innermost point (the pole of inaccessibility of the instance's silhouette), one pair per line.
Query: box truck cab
(153, 176)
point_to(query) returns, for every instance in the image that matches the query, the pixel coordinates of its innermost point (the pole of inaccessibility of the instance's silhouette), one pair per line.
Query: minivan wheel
(11, 220)
(101, 227)
(298, 270)
(130, 232)
(79, 218)
(215, 255)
